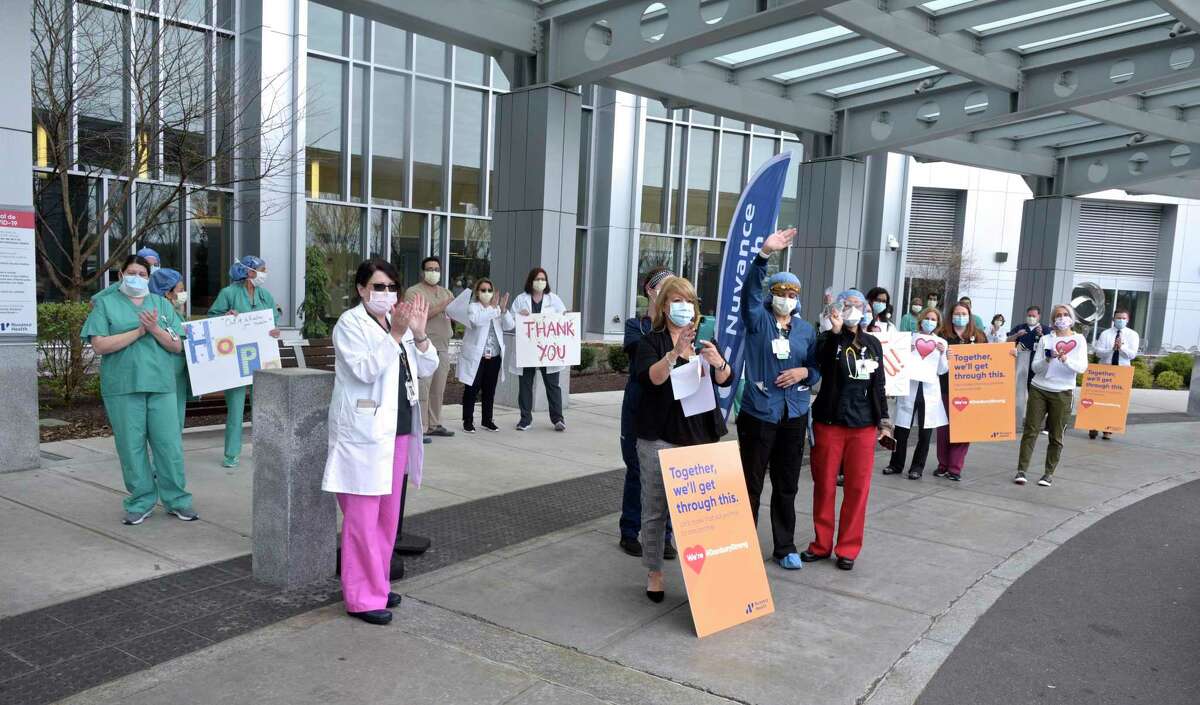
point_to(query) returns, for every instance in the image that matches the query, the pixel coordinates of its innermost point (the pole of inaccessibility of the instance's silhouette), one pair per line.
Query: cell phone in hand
(888, 442)
(705, 330)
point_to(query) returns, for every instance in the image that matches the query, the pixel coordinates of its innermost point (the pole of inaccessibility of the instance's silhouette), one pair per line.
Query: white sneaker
(1045, 481)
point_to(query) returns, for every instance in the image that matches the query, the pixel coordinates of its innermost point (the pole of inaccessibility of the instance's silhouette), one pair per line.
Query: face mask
(1119, 323)
(852, 315)
(539, 285)
(960, 321)
(381, 302)
(878, 307)
(915, 308)
(154, 268)
(928, 325)
(783, 305)
(134, 286)
(432, 277)
(180, 300)
(931, 304)
(260, 278)
(1031, 321)
(1063, 322)
(681, 313)
(485, 297)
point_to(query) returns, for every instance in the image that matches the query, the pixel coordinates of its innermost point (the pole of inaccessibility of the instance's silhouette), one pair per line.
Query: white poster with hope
(548, 340)
(223, 352)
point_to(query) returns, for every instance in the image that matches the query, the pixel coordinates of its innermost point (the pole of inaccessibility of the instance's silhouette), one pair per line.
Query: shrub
(618, 359)
(1139, 363)
(587, 358)
(315, 307)
(1142, 379)
(1179, 363)
(60, 349)
(1168, 379)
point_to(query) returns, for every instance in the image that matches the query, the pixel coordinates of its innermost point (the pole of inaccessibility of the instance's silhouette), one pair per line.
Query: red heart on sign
(1085, 403)
(1064, 346)
(694, 557)
(960, 403)
(925, 346)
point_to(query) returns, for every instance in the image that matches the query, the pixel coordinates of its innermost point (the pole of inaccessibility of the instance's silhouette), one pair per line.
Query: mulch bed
(86, 418)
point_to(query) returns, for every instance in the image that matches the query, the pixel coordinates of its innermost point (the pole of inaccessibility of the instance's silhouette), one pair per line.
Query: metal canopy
(1086, 94)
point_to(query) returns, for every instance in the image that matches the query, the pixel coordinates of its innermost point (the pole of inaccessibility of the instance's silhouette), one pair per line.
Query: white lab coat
(362, 440)
(997, 336)
(480, 319)
(935, 412)
(1129, 346)
(524, 302)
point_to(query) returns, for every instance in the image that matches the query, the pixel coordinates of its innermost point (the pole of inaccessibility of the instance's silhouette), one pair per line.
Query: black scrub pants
(923, 436)
(781, 446)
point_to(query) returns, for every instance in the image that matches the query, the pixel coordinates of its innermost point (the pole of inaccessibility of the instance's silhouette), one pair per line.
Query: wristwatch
(418, 341)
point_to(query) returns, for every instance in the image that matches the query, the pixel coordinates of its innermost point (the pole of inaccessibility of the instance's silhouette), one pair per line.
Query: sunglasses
(485, 291)
(385, 287)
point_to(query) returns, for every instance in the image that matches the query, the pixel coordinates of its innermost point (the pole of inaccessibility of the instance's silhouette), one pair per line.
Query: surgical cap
(785, 281)
(147, 253)
(241, 269)
(164, 280)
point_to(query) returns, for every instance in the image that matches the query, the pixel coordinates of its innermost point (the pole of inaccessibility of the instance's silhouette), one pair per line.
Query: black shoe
(669, 552)
(953, 477)
(379, 617)
(394, 599)
(631, 546)
(845, 564)
(469, 428)
(809, 557)
(914, 474)
(656, 596)
(441, 431)
(889, 470)
(1093, 433)
(941, 472)
(490, 426)
(841, 479)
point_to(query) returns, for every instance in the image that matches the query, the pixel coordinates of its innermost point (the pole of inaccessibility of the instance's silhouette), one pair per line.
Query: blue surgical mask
(682, 313)
(878, 307)
(1119, 323)
(928, 325)
(134, 286)
(961, 321)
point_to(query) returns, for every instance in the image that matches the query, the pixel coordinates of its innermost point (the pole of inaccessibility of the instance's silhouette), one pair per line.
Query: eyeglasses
(385, 287)
(485, 291)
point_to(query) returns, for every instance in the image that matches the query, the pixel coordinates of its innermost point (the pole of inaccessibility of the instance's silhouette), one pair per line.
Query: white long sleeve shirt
(1105, 344)
(1052, 374)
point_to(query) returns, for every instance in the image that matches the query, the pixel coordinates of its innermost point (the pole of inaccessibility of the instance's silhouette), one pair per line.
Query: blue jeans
(631, 498)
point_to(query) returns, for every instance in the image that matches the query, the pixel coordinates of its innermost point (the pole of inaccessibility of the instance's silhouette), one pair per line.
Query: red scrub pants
(852, 450)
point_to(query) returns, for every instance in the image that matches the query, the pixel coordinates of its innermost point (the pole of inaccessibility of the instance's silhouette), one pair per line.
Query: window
(376, 234)
(391, 46)
(336, 231)
(358, 108)
(466, 195)
(324, 129)
(406, 252)
(430, 127)
(470, 252)
(51, 226)
(700, 181)
(675, 210)
(430, 56)
(325, 29)
(210, 241)
(708, 282)
(655, 251)
(158, 221)
(653, 174)
(185, 149)
(729, 179)
(499, 80)
(761, 149)
(389, 138)
(99, 66)
(469, 66)
(360, 32)
(789, 207)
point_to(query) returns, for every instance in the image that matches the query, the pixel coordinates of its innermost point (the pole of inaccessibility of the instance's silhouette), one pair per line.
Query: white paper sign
(691, 384)
(18, 285)
(459, 310)
(685, 379)
(548, 340)
(923, 363)
(223, 352)
(897, 350)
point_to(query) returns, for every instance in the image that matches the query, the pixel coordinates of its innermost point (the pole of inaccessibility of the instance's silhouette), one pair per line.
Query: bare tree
(948, 271)
(138, 99)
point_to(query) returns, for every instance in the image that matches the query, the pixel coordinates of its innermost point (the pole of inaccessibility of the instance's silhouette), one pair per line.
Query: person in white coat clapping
(1116, 346)
(479, 361)
(537, 298)
(375, 430)
(923, 406)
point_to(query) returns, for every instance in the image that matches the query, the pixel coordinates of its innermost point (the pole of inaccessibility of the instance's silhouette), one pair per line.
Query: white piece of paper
(685, 379)
(923, 365)
(548, 340)
(223, 352)
(703, 400)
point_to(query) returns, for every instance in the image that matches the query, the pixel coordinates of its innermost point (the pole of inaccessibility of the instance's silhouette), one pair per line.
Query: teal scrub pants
(235, 408)
(139, 419)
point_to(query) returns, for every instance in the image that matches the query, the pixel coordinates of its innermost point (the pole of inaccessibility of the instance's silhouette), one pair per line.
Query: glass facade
(694, 168)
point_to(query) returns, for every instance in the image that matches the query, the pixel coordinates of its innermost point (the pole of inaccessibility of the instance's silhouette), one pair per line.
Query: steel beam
(1186, 11)
(1129, 166)
(917, 42)
(607, 38)
(1070, 22)
(1177, 186)
(854, 73)
(1114, 113)
(488, 26)
(1082, 135)
(765, 37)
(986, 156)
(1124, 39)
(940, 113)
(980, 13)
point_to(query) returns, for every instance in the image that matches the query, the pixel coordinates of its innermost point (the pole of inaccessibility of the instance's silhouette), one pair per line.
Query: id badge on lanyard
(410, 385)
(782, 348)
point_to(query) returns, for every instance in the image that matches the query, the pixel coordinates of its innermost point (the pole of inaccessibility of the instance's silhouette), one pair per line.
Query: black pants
(485, 381)
(923, 436)
(781, 446)
(553, 394)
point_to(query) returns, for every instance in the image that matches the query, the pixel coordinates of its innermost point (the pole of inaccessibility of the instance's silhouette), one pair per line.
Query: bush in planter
(1179, 363)
(315, 307)
(61, 361)
(618, 359)
(1142, 379)
(1168, 379)
(587, 358)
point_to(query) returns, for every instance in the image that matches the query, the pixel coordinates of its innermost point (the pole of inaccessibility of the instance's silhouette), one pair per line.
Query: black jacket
(658, 401)
(825, 408)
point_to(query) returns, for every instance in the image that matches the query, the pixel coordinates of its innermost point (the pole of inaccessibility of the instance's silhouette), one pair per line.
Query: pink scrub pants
(368, 537)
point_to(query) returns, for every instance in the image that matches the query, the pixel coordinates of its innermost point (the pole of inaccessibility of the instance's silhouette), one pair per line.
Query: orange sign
(982, 393)
(718, 547)
(1104, 398)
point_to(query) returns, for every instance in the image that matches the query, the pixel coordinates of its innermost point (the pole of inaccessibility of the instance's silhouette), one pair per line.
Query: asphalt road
(1112, 616)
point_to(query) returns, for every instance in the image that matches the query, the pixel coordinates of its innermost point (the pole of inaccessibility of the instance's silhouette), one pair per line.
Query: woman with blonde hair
(1056, 360)
(479, 362)
(661, 422)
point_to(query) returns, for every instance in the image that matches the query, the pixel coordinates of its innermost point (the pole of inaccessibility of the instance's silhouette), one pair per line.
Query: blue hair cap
(164, 280)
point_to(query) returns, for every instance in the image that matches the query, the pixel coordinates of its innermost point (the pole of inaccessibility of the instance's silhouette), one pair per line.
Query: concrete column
(1046, 258)
(885, 221)
(295, 523)
(614, 233)
(537, 172)
(270, 77)
(18, 353)
(829, 239)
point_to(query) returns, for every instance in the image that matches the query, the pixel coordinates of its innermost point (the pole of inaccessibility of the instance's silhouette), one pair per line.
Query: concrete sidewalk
(562, 618)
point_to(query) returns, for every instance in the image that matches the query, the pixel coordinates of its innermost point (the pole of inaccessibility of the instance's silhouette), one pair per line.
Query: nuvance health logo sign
(754, 221)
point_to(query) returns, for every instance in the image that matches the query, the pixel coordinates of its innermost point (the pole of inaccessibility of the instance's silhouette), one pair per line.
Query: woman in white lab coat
(479, 362)
(923, 406)
(375, 430)
(537, 298)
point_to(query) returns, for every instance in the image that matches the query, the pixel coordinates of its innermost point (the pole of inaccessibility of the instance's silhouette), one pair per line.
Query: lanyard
(410, 389)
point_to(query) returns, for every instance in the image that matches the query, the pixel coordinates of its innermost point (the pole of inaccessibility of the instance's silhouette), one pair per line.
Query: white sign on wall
(18, 271)
(223, 352)
(548, 340)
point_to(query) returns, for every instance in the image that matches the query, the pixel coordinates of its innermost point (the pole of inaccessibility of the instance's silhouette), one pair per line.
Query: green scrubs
(107, 291)
(138, 386)
(235, 297)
